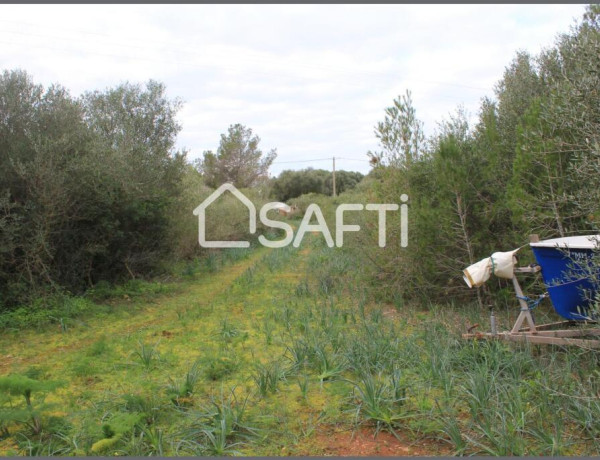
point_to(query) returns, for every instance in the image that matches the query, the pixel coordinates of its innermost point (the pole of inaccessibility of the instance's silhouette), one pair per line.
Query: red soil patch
(362, 443)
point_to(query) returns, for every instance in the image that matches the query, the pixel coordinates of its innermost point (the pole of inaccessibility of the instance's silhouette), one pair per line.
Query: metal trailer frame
(549, 334)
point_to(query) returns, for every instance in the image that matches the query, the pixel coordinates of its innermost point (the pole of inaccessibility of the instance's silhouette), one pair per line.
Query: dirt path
(229, 322)
(131, 316)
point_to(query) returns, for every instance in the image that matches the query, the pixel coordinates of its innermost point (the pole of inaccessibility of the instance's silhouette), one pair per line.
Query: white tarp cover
(282, 206)
(500, 264)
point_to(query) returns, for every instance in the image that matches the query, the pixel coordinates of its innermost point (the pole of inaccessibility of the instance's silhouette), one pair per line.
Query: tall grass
(324, 354)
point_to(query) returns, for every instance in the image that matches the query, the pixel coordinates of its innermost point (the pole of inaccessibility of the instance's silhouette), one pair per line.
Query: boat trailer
(553, 258)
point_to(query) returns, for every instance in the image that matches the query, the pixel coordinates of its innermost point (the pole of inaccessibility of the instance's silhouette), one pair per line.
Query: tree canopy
(85, 184)
(238, 160)
(529, 164)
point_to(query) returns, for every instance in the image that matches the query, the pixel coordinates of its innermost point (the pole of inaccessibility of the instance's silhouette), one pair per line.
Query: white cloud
(310, 80)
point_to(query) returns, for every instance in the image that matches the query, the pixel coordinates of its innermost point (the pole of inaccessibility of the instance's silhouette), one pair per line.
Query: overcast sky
(310, 80)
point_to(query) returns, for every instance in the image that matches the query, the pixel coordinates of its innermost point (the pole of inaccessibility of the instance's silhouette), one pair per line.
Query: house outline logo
(313, 210)
(200, 211)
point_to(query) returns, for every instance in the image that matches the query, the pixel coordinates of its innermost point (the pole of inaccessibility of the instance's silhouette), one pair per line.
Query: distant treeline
(291, 184)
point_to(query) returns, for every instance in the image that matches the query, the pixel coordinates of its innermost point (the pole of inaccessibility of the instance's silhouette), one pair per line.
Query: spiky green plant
(267, 377)
(147, 354)
(376, 402)
(180, 392)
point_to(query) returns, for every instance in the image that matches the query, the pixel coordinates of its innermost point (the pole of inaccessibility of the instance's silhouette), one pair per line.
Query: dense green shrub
(85, 185)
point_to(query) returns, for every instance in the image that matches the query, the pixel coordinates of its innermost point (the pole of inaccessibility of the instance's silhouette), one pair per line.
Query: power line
(319, 159)
(353, 159)
(302, 161)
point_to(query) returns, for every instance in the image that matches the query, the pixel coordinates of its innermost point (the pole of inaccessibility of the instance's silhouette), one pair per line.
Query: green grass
(260, 352)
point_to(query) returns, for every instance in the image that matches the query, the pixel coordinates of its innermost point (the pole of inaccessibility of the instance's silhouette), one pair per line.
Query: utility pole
(334, 176)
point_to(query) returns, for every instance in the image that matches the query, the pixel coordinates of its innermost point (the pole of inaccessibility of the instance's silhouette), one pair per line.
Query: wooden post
(334, 192)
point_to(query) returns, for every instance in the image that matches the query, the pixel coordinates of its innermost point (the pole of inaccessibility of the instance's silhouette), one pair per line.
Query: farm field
(275, 354)
(458, 190)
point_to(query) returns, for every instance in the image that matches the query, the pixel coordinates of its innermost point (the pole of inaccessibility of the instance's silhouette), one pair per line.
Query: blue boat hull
(568, 275)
